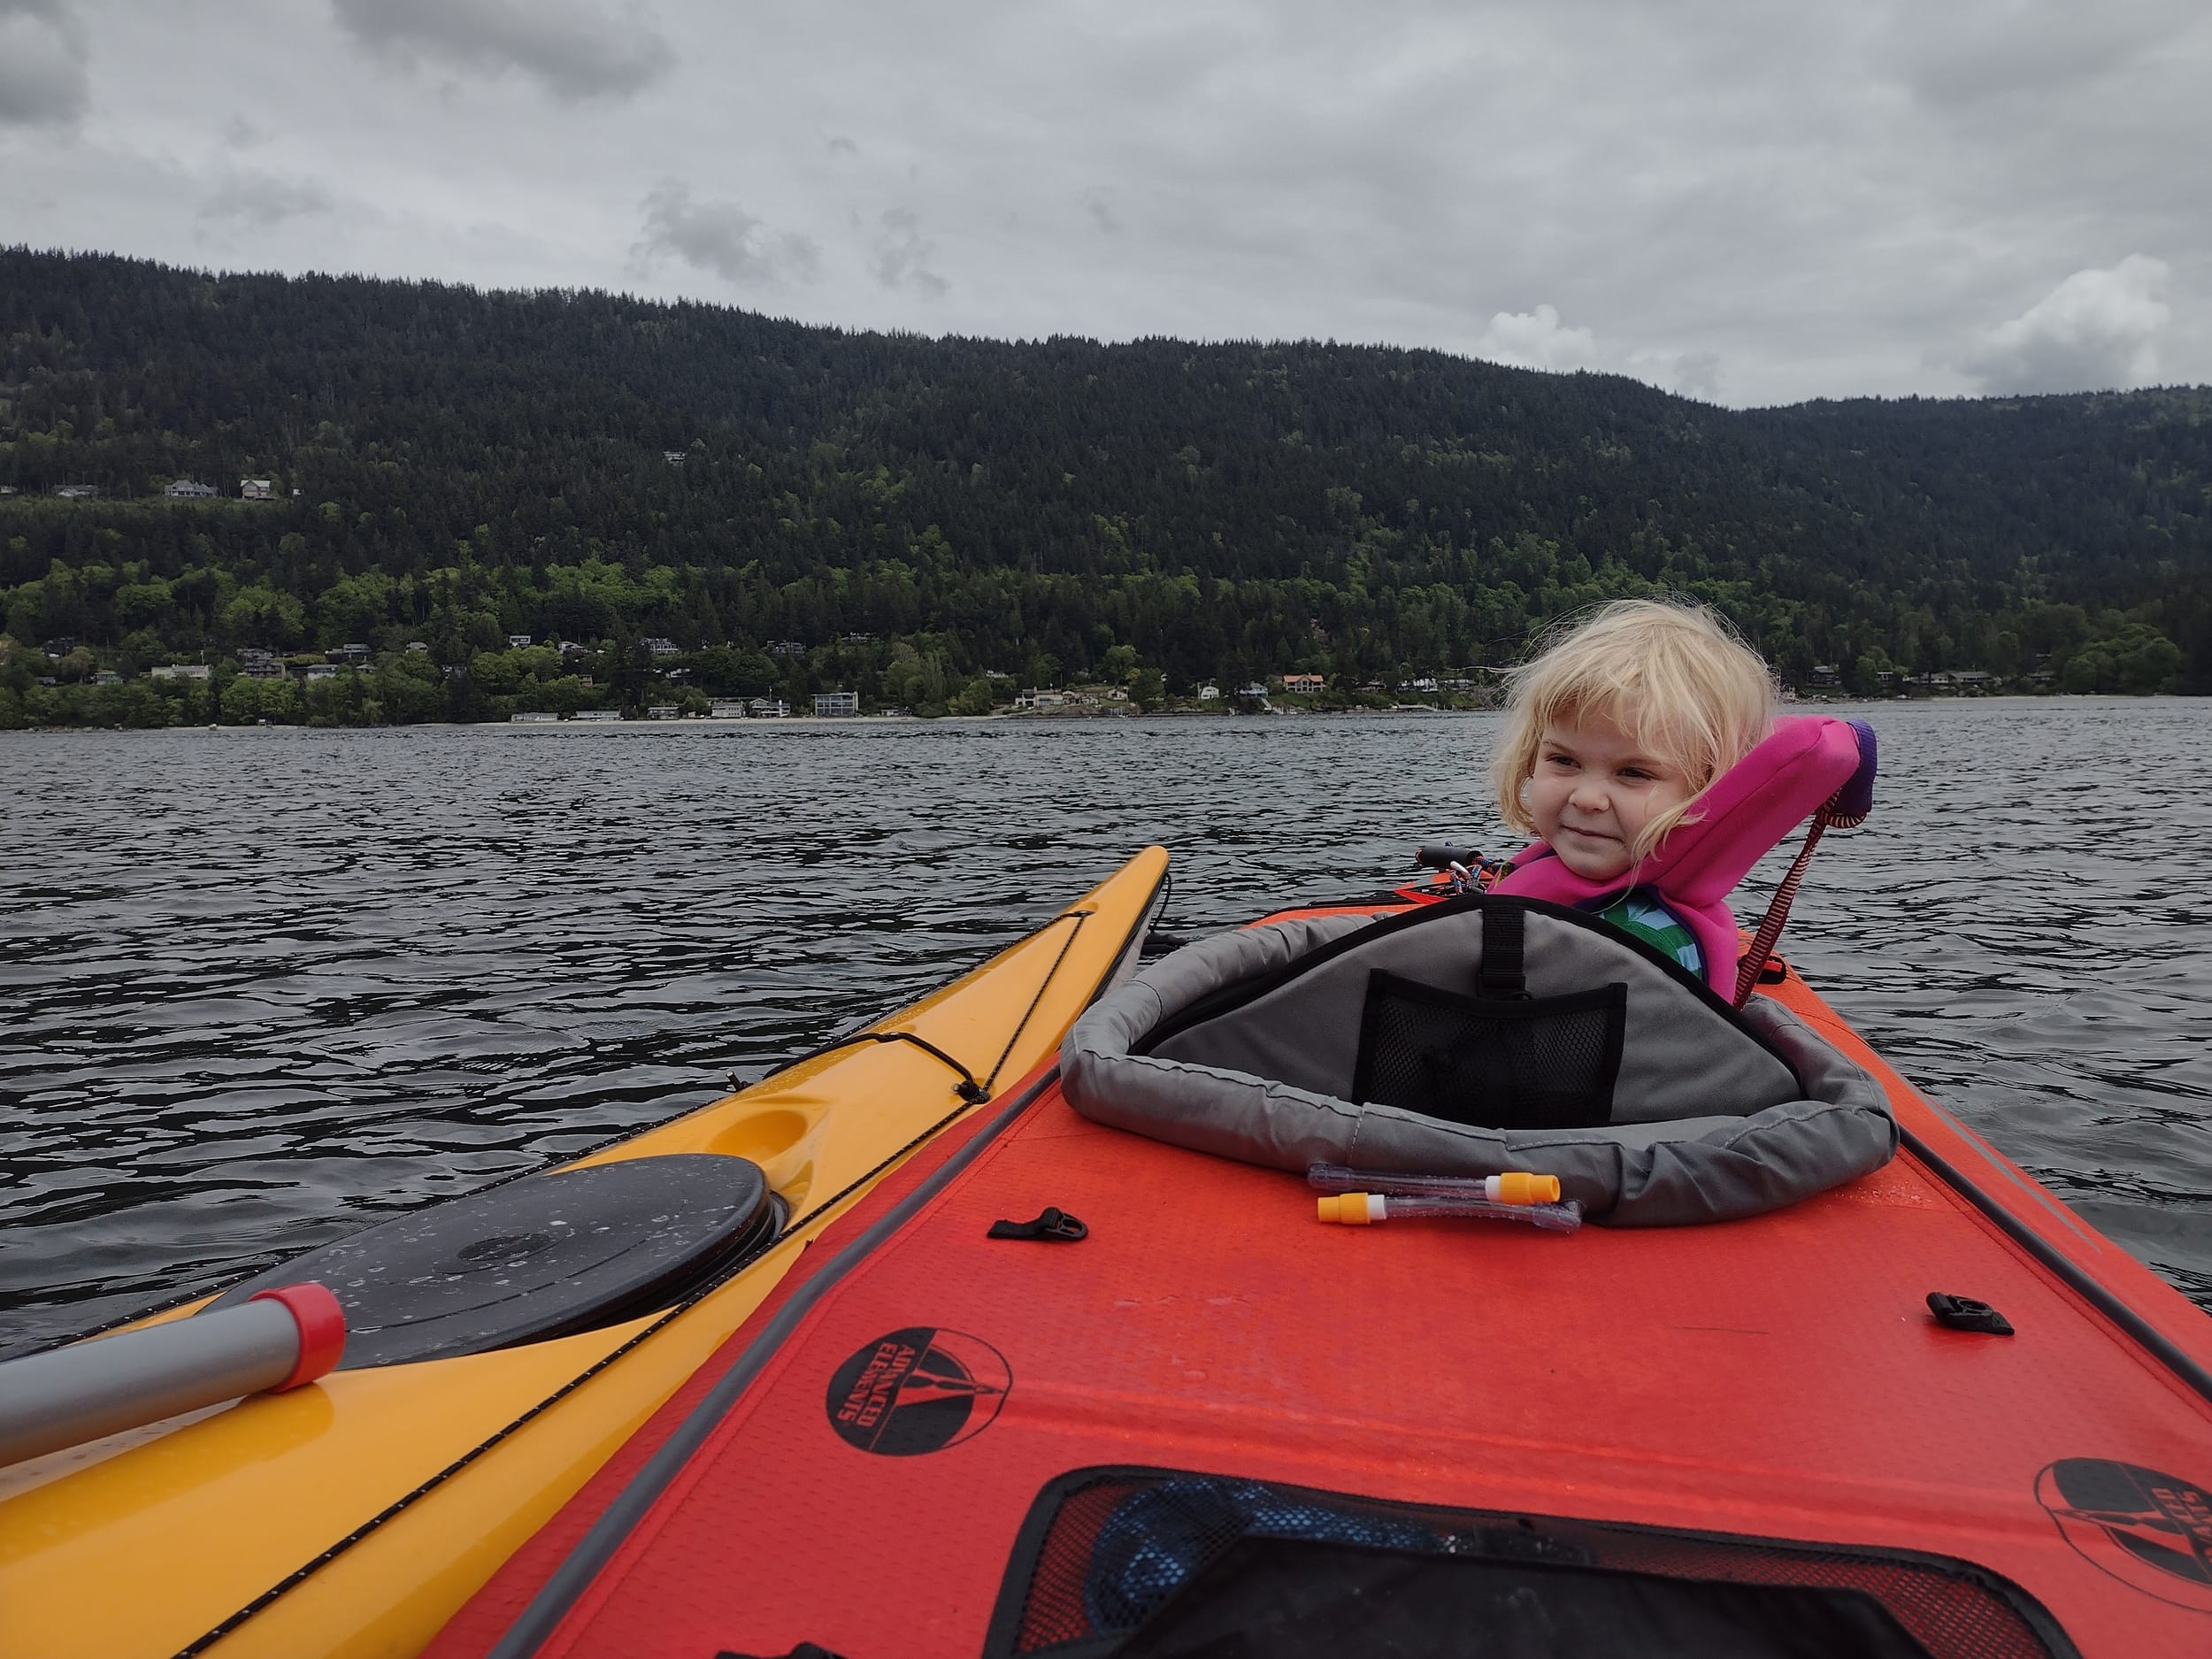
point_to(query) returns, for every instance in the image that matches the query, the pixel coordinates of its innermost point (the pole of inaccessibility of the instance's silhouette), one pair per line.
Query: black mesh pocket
(1520, 1062)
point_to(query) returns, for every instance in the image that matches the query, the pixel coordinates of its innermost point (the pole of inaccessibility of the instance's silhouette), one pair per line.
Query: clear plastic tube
(1364, 1196)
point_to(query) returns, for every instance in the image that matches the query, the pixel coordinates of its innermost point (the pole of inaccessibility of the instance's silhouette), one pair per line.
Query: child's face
(1593, 790)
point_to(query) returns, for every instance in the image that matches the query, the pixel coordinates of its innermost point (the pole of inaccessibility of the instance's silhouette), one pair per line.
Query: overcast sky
(1749, 203)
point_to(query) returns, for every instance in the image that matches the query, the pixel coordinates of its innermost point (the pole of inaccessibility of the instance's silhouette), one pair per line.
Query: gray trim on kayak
(1714, 1115)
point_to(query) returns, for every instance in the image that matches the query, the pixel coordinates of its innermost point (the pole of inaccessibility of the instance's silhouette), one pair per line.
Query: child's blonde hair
(1677, 676)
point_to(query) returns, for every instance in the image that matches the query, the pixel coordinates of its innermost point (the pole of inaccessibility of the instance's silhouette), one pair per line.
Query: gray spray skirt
(1413, 1042)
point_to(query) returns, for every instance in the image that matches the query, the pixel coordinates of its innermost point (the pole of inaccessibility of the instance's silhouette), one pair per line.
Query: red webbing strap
(1778, 913)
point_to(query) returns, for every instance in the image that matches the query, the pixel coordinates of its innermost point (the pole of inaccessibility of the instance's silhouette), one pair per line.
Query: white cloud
(573, 48)
(1534, 340)
(2096, 331)
(721, 237)
(44, 79)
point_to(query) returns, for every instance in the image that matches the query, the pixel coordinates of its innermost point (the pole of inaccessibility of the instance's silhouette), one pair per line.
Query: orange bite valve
(1350, 1210)
(1519, 1187)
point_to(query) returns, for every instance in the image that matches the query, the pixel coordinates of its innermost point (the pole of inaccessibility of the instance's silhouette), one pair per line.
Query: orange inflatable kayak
(1197, 1422)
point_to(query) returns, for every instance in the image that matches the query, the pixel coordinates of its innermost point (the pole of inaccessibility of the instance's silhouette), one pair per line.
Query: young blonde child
(1612, 732)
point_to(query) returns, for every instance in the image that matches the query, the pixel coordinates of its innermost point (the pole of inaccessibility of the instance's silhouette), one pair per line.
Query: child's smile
(1593, 790)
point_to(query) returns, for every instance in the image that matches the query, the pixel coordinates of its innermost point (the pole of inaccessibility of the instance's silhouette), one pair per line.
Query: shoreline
(1084, 719)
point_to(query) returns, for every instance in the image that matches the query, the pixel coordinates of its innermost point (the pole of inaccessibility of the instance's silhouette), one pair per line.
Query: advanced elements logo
(2149, 1530)
(917, 1390)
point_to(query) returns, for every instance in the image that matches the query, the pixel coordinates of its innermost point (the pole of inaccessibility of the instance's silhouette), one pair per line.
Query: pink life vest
(1735, 822)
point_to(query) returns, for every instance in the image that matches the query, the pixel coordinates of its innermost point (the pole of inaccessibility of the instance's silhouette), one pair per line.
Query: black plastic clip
(1963, 1313)
(1056, 1225)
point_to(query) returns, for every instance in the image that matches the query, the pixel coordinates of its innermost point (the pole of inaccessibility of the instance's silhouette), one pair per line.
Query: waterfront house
(255, 662)
(189, 489)
(533, 718)
(1303, 682)
(722, 709)
(599, 714)
(76, 492)
(837, 703)
(1253, 689)
(1210, 694)
(255, 489)
(767, 709)
(661, 711)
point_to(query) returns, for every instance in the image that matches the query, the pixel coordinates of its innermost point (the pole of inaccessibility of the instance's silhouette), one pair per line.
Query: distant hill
(452, 466)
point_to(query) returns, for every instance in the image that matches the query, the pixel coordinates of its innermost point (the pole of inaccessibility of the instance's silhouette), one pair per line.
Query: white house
(518, 642)
(1210, 694)
(663, 648)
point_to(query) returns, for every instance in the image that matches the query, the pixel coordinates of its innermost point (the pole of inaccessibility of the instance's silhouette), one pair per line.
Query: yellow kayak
(351, 1516)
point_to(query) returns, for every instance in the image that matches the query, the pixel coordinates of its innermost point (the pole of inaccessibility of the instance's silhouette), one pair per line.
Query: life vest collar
(1736, 822)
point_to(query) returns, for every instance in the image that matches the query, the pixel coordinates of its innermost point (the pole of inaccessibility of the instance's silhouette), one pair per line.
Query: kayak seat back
(548, 1256)
(1480, 1035)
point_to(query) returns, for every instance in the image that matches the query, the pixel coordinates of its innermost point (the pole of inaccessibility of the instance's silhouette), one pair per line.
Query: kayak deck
(1779, 1379)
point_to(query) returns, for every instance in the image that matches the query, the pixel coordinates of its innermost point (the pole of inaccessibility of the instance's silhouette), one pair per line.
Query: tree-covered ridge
(453, 467)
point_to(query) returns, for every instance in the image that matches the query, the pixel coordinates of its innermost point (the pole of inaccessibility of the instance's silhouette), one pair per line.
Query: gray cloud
(1759, 203)
(574, 49)
(44, 53)
(2096, 331)
(723, 238)
(259, 200)
(902, 254)
(1098, 201)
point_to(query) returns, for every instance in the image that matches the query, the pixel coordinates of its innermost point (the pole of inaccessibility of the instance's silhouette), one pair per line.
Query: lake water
(258, 987)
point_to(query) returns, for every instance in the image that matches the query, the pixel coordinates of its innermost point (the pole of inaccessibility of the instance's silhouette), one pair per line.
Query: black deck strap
(2064, 1268)
(537, 1622)
(1963, 1313)
(1056, 1225)
(1504, 947)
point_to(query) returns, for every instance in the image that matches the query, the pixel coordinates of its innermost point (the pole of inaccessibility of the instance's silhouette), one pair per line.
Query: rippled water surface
(260, 987)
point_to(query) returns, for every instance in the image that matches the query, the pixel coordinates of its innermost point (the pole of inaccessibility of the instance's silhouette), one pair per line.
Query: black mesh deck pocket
(1498, 1063)
(1146, 1564)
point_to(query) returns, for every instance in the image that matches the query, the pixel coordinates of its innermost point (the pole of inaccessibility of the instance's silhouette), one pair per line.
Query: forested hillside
(452, 467)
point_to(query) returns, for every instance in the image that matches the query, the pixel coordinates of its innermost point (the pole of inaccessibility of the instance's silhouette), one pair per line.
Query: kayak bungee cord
(790, 1228)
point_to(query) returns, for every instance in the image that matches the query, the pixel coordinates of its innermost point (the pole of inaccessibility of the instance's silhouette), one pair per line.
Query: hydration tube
(1359, 1198)
(278, 1339)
